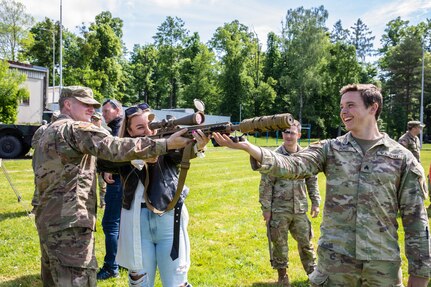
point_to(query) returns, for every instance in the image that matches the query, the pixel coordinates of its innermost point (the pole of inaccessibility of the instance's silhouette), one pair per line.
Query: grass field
(227, 232)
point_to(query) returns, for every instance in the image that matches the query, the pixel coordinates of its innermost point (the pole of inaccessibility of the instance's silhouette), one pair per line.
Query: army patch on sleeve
(85, 125)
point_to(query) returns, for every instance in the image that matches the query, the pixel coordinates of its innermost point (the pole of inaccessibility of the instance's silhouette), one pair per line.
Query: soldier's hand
(107, 177)
(314, 211)
(417, 281)
(176, 141)
(266, 216)
(225, 140)
(251, 149)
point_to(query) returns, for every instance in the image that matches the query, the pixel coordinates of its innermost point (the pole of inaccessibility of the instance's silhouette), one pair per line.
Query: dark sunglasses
(112, 102)
(133, 110)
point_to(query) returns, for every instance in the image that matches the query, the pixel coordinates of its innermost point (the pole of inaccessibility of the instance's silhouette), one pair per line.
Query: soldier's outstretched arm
(245, 145)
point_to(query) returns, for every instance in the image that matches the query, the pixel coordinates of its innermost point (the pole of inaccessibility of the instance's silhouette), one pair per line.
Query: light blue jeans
(157, 233)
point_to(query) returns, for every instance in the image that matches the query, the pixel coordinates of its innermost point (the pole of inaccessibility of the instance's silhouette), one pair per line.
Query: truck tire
(10, 147)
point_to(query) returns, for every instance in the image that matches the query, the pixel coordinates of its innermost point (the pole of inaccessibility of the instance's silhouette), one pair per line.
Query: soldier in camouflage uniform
(284, 206)
(370, 179)
(65, 177)
(410, 139)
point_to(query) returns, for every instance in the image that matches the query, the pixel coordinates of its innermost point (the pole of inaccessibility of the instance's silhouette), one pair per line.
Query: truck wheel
(10, 147)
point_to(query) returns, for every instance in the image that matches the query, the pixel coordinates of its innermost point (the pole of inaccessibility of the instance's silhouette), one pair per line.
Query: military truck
(15, 139)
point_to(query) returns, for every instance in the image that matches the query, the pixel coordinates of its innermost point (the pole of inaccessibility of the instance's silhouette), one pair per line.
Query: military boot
(283, 278)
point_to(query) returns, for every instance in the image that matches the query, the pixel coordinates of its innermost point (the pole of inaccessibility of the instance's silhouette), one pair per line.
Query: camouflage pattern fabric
(68, 258)
(287, 202)
(34, 143)
(65, 170)
(338, 270)
(412, 143)
(300, 228)
(102, 189)
(364, 195)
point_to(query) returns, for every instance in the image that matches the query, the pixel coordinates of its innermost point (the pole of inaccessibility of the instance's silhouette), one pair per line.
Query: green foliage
(403, 67)
(305, 53)
(14, 25)
(362, 40)
(11, 92)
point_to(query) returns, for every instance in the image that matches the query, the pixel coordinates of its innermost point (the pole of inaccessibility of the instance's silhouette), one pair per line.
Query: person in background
(112, 112)
(284, 206)
(65, 177)
(410, 139)
(151, 236)
(370, 181)
(96, 119)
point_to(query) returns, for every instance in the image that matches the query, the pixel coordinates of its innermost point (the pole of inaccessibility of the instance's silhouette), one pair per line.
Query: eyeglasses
(135, 109)
(289, 132)
(112, 102)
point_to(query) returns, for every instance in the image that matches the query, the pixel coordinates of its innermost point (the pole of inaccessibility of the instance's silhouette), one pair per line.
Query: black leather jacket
(163, 179)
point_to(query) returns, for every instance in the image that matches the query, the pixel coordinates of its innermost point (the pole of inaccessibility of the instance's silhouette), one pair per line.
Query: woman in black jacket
(150, 235)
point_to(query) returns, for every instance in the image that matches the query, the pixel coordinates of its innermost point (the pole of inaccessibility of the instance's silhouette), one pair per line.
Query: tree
(39, 51)
(305, 48)
(235, 46)
(199, 74)
(99, 58)
(169, 41)
(402, 65)
(14, 25)
(342, 68)
(272, 71)
(11, 92)
(143, 62)
(339, 34)
(395, 30)
(362, 40)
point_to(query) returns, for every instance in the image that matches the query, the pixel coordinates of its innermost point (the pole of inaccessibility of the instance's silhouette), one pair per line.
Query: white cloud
(412, 10)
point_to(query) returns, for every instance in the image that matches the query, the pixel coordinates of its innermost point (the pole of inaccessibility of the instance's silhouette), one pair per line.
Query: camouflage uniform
(34, 142)
(364, 195)
(65, 176)
(287, 202)
(412, 143)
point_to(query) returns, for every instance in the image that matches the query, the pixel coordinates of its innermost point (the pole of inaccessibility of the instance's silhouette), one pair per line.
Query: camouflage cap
(82, 94)
(97, 116)
(412, 124)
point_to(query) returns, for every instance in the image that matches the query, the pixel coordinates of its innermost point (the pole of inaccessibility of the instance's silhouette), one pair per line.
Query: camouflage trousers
(299, 227)
(68, 258)
(336, 270)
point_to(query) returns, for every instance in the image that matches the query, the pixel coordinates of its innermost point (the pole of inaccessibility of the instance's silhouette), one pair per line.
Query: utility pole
(422, 92)
(61, 45)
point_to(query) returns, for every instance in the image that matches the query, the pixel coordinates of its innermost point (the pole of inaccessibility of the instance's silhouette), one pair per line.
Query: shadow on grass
(4, 216)
(23, 281)
(274, 284)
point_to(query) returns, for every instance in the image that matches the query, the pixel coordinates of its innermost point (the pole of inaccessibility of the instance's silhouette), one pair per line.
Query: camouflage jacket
(411, 143)
(364, 195)
(284, 195)
(65, 170)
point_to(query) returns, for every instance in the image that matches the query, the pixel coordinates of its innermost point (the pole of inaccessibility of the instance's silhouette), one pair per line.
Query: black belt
(177, 224)
(176, 241)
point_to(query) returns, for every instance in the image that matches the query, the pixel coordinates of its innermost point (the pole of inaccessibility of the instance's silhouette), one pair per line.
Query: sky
(142, 17)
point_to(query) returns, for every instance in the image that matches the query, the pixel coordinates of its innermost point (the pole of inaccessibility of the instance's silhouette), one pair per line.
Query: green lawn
(227, 232)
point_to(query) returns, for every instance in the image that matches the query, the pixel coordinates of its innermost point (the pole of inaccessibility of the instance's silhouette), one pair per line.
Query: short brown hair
(370, 94)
